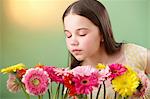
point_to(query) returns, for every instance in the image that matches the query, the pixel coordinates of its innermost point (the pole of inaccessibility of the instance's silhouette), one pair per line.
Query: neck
(100, 57)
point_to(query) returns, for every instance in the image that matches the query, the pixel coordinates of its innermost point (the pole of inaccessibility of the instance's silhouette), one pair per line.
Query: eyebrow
(82, 29)
(66, 30)
(77, 29)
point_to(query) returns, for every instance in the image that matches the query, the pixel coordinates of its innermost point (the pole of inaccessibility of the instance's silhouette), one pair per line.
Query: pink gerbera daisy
(55, 74)
(85, 84)
(104, 74)
(36, 81)
(85, 79)
(117, 70)
(84, 70)
(12, 84)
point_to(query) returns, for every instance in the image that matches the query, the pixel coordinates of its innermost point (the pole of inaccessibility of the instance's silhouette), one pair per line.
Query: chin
(79, 58)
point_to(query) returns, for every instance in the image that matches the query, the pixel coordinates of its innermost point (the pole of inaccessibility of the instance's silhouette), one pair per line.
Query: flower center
(125, 83)
(115, 71)
(84, 81)
(36, 82)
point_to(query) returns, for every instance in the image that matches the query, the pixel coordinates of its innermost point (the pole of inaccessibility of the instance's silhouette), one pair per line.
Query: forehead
(76, 21)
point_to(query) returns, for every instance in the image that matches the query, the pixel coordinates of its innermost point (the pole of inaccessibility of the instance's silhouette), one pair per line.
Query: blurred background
(31, 31)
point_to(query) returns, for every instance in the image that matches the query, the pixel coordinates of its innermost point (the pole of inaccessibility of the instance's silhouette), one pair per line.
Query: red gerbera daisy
(68, 82)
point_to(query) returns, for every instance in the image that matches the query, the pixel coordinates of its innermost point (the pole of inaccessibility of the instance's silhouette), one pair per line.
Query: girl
(90, 40)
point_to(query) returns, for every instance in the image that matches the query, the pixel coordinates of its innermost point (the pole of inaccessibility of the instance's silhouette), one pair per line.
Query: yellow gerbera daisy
(127, 83)
(13, 68)
(100, 66)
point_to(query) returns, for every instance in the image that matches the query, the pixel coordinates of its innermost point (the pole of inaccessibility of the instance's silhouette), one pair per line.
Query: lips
(76, 51)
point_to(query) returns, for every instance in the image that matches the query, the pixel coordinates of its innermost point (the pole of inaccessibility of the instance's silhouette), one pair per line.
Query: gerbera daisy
(85, 84)
(39, 65)
(85, 79)
(54, 73)
(12, 84)
(36, 81)
(117, 70)
(126, 84)
(104, 74)
(144, 88)
(20, 73)
(84, 70)
(100, 66)
(69, 83)
(13, 68)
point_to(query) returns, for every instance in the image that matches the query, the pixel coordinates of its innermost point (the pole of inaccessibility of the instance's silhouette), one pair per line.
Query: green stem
(126, 97)
(49, 94)
(98, 91)
(40, 97)
(62, 91)
(50, 91)
(23, 88)
(115, 95)
(104, 90)
(119, 97)
(91, 95)
(57, 92)
(86, 97)
(82, 96)
(66, 94)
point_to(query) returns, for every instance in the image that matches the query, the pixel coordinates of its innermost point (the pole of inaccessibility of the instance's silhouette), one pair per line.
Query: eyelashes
(80, 33)
(69, 36)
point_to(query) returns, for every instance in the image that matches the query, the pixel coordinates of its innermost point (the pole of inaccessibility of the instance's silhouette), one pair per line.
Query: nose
(74, 41)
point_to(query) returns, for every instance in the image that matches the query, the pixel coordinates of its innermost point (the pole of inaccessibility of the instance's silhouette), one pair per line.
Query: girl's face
(82, 37)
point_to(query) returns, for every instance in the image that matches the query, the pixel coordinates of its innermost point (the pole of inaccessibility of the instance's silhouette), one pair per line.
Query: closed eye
(82, 34)
(68, 34)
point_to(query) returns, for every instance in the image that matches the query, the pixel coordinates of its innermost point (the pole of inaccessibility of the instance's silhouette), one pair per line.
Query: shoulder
(131, 46)
(135, 49)
(136, 55)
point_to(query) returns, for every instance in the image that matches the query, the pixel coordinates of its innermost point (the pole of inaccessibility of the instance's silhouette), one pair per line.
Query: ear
(101, 37)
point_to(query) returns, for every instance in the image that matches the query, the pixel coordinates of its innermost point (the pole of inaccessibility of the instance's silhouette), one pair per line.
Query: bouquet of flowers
(34, 81)
(77, 83)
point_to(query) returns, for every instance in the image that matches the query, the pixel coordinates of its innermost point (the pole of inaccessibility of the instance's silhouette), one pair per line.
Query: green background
(130, 21)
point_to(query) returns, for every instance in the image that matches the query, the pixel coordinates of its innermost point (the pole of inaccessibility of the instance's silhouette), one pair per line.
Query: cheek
(91, 45)
(90, 42)
(86, 44)
(68, 44)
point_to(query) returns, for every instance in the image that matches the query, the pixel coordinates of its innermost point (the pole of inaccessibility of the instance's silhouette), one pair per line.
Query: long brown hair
(96, 13)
